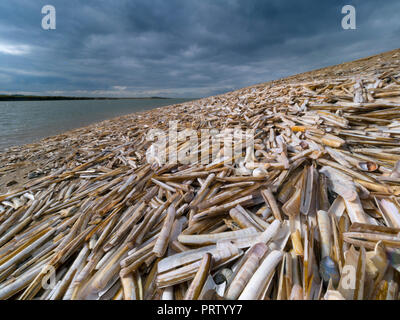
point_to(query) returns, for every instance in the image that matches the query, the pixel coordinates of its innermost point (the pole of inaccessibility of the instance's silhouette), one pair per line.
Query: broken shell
(223, 276)
(260, 172)
(368, 166)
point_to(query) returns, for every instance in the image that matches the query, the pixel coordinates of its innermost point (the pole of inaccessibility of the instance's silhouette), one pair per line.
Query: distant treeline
(43, 98)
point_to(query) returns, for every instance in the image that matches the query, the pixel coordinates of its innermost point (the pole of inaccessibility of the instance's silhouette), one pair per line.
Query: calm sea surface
(23, 122)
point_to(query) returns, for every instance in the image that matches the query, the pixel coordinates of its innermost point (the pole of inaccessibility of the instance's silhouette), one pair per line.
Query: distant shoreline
(52, 98)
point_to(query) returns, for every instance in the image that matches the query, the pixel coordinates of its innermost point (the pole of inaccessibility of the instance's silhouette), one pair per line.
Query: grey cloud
(182, 47)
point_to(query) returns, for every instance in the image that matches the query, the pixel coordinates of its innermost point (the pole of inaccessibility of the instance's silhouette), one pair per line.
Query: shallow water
(23, 122)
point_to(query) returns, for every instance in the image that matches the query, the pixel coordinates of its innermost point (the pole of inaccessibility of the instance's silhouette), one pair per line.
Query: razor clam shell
(244, 274)
(254, 288)
(200, 278)
(391, 210)
(206, 239)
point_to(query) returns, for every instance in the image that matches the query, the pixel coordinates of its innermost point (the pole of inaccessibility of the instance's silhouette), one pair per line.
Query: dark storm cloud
(181, 47)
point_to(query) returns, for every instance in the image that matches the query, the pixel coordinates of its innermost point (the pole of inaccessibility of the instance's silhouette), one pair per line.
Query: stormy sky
(181, 48)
